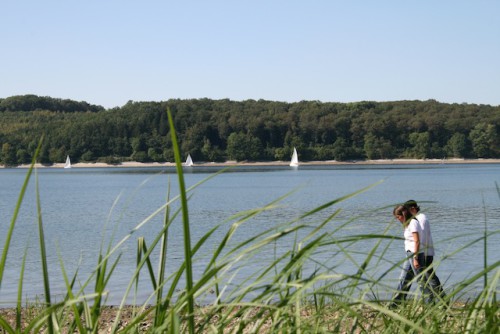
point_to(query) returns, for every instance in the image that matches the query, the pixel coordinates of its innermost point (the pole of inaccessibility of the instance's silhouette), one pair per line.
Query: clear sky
(108, 52)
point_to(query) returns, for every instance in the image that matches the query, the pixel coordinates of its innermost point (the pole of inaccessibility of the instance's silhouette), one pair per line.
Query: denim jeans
(405, 280)
(428, 281)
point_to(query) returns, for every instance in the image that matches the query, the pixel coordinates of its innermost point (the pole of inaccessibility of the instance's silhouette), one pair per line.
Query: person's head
(412, 206)
(402, 213)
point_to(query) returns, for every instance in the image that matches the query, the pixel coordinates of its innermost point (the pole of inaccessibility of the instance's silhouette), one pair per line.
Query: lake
(84, 208)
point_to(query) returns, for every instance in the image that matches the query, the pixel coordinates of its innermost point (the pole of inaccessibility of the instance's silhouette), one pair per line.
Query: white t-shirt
(413, 226)
(426, 244)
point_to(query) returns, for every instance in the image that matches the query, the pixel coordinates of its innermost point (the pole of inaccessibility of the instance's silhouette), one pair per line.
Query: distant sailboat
(295, 158)
(189, 161)
(67, 164)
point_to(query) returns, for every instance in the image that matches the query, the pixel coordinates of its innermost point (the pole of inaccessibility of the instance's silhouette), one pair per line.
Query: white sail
(295, 158)
(67, 164)
(189, 161)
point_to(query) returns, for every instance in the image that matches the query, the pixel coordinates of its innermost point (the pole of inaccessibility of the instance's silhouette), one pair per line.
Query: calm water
(82, 208)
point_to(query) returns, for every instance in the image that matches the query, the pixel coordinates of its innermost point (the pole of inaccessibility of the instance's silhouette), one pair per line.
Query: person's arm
(416, 239)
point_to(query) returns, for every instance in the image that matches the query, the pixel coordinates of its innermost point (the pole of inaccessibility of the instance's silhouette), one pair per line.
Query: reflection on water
(83, 207)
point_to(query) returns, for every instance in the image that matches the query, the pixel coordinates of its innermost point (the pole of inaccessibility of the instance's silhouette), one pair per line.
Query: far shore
(272, 163)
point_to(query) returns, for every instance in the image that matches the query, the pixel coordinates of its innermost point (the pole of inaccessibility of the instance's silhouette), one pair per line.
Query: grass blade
(43, 256)
(16, 212)
(185, 224)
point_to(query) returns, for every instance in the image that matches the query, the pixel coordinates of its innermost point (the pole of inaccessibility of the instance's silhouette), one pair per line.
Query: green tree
(324, 152)
(23, 156)
(211, 153)
(43, 157)
(236, 146)
(57, 155)
(88, 156)
(341, 150)
(138, 144)
(437, 151)
(140, 156)
(281, 154)
(421, 144)
(320, 131)
(154, 155)
(377, 148)
(457, 145)
(483, 139)
(241, 146)
(8, 155)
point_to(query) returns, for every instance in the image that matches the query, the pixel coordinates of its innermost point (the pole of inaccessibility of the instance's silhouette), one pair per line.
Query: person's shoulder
(414, 224)
(421, 216)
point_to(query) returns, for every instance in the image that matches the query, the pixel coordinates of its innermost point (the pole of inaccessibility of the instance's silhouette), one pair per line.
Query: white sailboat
(189, 161)
(295, 158)
(67, 164)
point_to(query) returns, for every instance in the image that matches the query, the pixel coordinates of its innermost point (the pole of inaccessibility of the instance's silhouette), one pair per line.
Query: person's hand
(415, 263)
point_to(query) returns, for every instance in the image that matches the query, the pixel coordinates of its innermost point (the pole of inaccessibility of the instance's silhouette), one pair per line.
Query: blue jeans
(405, 279)
(428, 281)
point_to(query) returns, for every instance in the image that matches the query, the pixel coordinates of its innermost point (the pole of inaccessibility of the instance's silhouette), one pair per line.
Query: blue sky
(109, 52)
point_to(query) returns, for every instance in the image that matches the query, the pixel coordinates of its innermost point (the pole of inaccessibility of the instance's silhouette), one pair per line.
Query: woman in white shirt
(407, 273)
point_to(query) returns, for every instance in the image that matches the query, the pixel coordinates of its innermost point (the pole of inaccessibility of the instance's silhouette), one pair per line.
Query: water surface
(84, 208)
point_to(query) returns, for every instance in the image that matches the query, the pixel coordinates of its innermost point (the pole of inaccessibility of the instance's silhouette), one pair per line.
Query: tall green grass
(290, 292)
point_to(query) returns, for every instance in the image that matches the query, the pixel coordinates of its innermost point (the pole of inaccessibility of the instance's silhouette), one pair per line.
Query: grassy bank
(331, 319)
(291, 293)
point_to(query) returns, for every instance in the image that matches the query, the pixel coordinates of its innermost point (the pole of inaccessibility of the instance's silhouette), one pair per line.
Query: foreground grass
(291, 293)
(254, 319)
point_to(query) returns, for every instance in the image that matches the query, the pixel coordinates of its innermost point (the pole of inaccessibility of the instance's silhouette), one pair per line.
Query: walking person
(408, 273)
(431, 282)
(419, 252)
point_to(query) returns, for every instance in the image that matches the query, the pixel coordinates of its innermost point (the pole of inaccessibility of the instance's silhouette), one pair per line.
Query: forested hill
(33, 102)
(220, 130)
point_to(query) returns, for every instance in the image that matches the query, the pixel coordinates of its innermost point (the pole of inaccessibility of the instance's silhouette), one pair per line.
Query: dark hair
(412, 204)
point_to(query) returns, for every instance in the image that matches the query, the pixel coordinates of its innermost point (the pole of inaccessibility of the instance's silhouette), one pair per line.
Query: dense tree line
(33, 102)
(220, 130)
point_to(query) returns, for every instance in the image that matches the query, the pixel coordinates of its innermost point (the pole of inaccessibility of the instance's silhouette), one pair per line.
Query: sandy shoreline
(275, 163)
